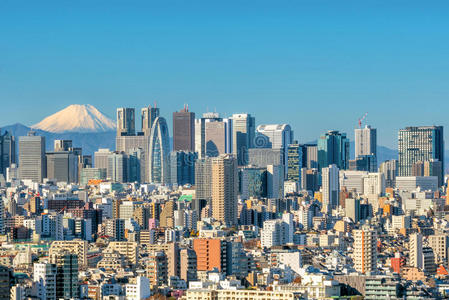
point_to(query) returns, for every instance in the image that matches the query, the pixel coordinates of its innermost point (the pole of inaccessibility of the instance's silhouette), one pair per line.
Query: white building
(44, 277)
(331, 187)
(274, 233)
(411, 183)
(138, 290)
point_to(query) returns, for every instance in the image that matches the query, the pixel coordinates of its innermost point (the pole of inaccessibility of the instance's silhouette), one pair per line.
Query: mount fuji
(87, 127)
(76, 118)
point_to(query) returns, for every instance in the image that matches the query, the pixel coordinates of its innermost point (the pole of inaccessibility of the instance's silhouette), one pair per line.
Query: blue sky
(317, 65)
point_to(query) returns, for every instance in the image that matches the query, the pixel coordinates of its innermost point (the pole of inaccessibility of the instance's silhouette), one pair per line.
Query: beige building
(439, 244)
(365, 250)
(171, 251)
(224, 189)
(127, 249)
(78, 247)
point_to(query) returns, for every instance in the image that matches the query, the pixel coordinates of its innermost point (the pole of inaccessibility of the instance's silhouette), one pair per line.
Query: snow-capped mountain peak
(76, 118)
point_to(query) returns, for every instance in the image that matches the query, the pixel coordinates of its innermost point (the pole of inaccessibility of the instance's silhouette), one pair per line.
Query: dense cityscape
(222, 207)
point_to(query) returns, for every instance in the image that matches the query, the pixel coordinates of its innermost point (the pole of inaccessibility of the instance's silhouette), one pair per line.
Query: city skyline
(284, 63)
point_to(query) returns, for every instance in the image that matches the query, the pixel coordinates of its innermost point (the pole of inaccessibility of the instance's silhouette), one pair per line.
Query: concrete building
(224, 189)
(32, 164)
(330, 187)
(365, 250)
(210, 253)
(366, 143)
(44, 275)
(411, 183)
(78, 247)
(187, 265)
(62, 166)
(416, 251)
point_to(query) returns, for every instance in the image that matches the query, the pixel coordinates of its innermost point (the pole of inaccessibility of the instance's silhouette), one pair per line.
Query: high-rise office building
(253, 182)
(101, 158)
(7, 151)
(365, 250)
(310, 179)
(243, 133)
(159, 152)
(148, 115)
(215, 138)
(203, 184)
(331, 187)
(126, 123)
(62, 166)
(333, 148)
(294, 162)
(278, 136)
(182, 167)
(32, 164)
(118, 168)
(63, 145)
(184, 130)
(224, 189)
(419, 144)
(366, 142)
(213, 135)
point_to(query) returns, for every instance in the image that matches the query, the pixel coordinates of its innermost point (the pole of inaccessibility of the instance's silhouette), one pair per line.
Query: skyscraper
(159, 152)
(243, 132)
(184, 130)
(294, 162)
(419, 144)
(62, 166)
(213, 135)
(278, 136)
(333, 148)
(32, 163)
(224, 189)
(366, 143)
(126, 124)
(7, 151)
(148, 115)
(203, 184)
(182, 167)
(331, 187)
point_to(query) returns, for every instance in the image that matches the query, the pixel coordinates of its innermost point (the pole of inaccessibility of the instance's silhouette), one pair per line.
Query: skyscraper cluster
(221, 208)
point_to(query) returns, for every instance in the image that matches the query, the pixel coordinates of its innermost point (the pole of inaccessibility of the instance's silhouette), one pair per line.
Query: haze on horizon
(317, 65)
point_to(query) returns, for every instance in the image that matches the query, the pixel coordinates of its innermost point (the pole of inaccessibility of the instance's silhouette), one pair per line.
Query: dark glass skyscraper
(333, 148)
(184, 130)
(419, 144)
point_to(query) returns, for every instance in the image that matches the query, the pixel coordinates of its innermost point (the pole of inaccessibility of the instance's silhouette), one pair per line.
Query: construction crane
(361, 119)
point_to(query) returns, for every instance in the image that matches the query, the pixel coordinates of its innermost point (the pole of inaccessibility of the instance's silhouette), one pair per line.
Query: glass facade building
(159, 152)
(419, 144)
(333, 148)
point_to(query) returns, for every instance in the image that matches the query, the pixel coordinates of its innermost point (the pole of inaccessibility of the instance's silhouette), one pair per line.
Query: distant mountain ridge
(76, 118)
(89, 141)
